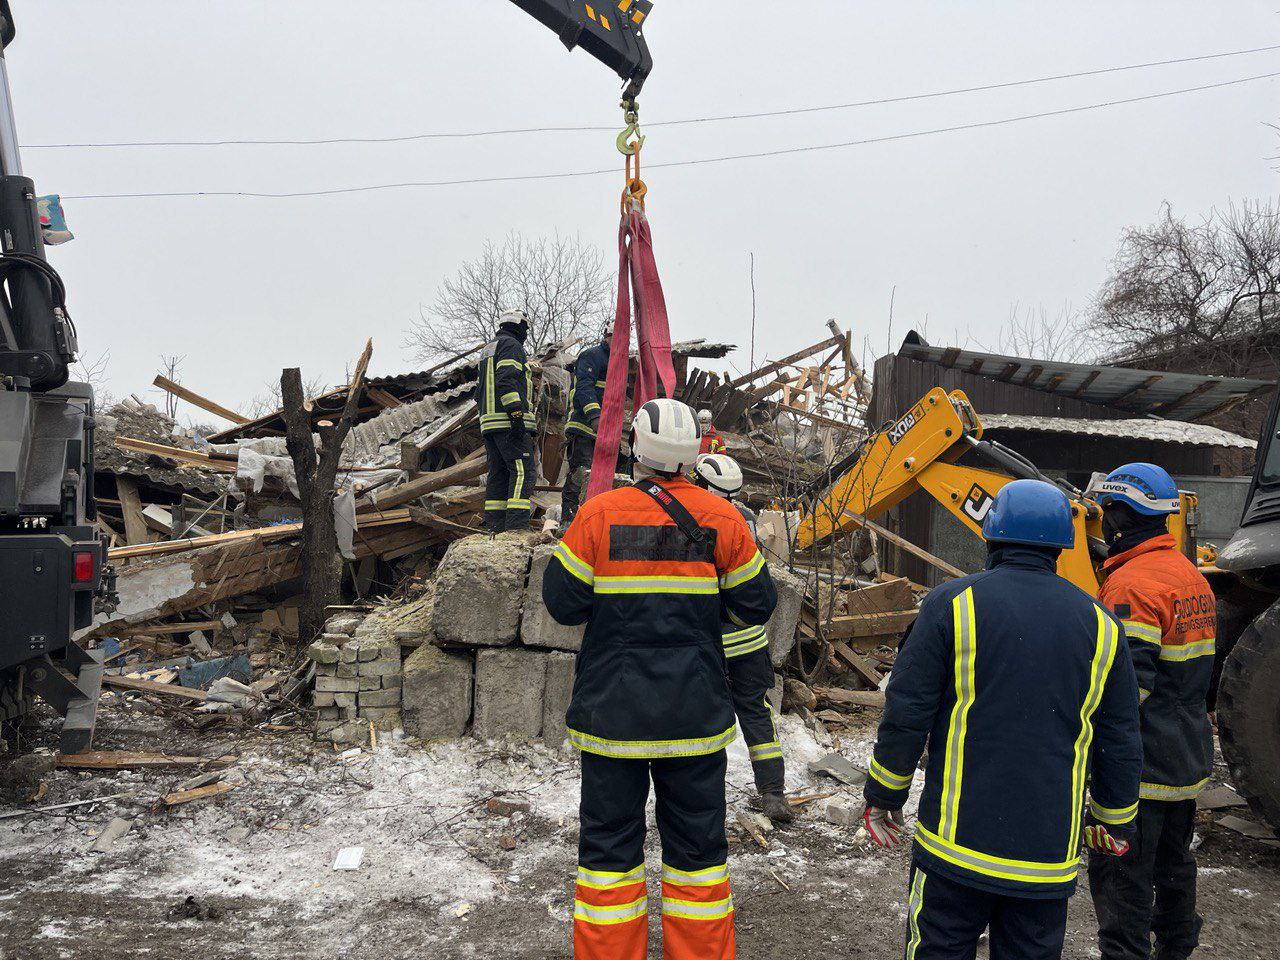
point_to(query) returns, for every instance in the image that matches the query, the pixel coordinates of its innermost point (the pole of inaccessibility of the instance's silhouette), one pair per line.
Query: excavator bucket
(609, 30)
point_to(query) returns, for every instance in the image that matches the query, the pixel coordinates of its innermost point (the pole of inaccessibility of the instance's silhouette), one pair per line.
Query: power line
(794, 111)
(785, 151)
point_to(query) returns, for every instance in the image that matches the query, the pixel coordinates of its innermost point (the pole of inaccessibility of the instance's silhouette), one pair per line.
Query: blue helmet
(1031, 512)
(1144, 486)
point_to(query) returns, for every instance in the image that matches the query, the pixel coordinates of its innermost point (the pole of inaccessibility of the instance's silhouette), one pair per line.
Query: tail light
(82, 566)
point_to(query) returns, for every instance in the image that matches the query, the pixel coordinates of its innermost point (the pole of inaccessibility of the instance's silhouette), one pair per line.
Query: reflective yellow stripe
(601, 384)
(1113, 816)
(609, 879)
(913, 912)
(495, 504)
(707, 877)
(1143, 694)
(1137, 630)
(623, 913)
(1158, 791)
(652, 749)
(886, 777)
(590, 407)
(570, 561)
(966, 650)
(742, 649)
(519, 505)
(510, 363)
(693, 910)
(764, 751)
(703, 585)
(1104, 651)
(518, 493)
(1022, 871)
(1188, 651)
(509, 398)
(735, 578)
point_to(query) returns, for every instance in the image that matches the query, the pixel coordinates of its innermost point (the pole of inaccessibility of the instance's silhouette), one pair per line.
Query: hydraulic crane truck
(937, 448)
(52, 557)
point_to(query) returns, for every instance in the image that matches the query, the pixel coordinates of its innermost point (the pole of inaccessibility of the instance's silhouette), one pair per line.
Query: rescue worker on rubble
(504, 394)
(1169, 616)
(652, 569)
(746, 651)
(1022, 686)
(712, 442)
(586, 394)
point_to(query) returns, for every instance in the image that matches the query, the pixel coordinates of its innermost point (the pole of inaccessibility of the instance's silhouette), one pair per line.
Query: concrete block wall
(359, 681)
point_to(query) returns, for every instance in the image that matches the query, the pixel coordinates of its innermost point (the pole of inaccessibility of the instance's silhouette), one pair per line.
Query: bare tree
(1030, 332)
(170, 365)
(1208, 288)
(560, 282)
(94, 373)
(269, 401)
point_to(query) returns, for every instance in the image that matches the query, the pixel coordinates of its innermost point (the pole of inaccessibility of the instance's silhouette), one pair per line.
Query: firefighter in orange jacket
(1169, 616)
(712, 442)
(651, 569)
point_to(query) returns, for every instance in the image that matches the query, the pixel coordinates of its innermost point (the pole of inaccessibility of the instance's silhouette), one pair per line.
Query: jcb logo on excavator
(978, 504)
(899, 429)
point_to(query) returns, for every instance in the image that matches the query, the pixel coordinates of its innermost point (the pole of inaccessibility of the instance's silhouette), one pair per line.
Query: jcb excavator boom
(922, 452)
(609, 30)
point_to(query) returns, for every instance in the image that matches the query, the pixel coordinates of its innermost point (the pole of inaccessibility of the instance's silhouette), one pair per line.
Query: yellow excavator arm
(921, 452)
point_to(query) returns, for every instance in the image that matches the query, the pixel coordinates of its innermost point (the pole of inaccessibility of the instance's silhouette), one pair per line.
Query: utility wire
(795, 111)
(785, 151)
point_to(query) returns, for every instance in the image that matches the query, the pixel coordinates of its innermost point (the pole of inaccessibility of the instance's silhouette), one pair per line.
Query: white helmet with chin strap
(719, 474)
(666, 436)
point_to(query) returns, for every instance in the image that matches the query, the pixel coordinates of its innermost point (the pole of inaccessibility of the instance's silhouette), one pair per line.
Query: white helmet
(667, 436)
(719, 474)
(704, 416)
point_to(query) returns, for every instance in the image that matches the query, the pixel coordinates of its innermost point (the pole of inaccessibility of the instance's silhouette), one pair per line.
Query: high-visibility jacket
(650, 679)
(1022, 685)
(1170, 618)
(505, 383)
(712, 442)
(586, 390)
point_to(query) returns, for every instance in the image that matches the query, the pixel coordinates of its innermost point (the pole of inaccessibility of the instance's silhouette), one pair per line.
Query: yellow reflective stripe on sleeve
(571, 562)
(622, 913)
(735, 578)
(1188, 651)
(1143, 694)
(694, 910)
(1020, 871)
(508, 398)
(966, 643)
(590, 407)
(1137, 630)
(601, 384)
(652, 749)
(1103, 654)
(914, 905)
(701, 585)
(749, 646)
(887, 778)
(765, 751)
(511, 363)
(707, 877)
(1112, 816)
(1159, 791)
(609, 879)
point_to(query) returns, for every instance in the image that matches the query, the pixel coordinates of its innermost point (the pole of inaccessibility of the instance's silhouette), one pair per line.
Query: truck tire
(1249, 715)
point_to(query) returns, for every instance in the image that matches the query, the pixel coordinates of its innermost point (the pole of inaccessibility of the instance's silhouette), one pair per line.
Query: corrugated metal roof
(1184, 396)
(1163, 431)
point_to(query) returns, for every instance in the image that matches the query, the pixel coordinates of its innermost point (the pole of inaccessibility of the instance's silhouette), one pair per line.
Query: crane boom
(609, 30)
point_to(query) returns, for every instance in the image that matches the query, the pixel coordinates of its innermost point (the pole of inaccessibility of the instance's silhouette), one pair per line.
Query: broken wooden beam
(193, 398)
(129, 685)
(868, 624)
(850, 698)
(199, 793)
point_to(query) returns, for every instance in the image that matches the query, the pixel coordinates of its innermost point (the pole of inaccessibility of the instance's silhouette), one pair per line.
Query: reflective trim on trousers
(1159, 791)
(623, 913)
(706, 877)
(914, 905)
(691, 910)
(1022, 871)
(609, 879)
(652, 749)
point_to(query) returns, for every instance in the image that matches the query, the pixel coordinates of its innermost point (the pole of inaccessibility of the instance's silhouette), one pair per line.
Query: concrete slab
(436, 693)
(480, 589)
(537, 627)
(509, 693)
(556, 697)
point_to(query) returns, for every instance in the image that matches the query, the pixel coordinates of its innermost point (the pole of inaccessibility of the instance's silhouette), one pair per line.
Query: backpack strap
(674, 509)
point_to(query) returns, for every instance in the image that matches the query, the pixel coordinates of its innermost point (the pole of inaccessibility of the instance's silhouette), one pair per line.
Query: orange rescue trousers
(610, 916)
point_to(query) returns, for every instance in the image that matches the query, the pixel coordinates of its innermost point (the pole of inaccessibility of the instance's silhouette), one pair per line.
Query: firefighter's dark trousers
(610, 917)
(945, 920)
(511, 479)
(1151, 889)
(578, 455)
(750, 680)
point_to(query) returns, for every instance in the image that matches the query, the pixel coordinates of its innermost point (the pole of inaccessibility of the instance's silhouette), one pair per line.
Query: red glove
(1098, 839)
(885, 826)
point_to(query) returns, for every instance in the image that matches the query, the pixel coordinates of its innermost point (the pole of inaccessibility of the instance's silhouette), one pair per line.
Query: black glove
(593, 420)
(517, 423)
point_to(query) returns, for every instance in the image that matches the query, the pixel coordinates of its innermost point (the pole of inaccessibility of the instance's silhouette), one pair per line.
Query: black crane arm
(609, 30)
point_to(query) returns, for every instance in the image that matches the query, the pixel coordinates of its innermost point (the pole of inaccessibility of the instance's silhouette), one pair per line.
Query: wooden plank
(199, 793)
(454, 359)
(451, 425)
(383, 399)
(950, 356)
(907, 545)
(858, 663)
(160, 629)
(1233, 402)
(147, 686)
(135, 525)
(750, 827)
(867, 624)
(1088, 382)
(132, 759)
(1009, 370)
(181, 455)
(976, 366)
(850, 698)
(1136, 393)
(193, 398)
(430, 482)
(1171, 405)
(885, 597)
(1054, 382)
(754, 375)
(1033, 375)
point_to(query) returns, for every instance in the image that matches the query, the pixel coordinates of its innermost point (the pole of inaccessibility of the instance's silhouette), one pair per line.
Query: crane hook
(632, 129)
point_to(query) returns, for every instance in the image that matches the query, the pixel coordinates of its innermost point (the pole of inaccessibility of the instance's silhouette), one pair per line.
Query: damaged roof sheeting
(1183, 396)
(1162, 431)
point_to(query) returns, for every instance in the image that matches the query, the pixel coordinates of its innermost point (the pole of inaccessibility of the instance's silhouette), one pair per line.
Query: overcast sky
(963, 224)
